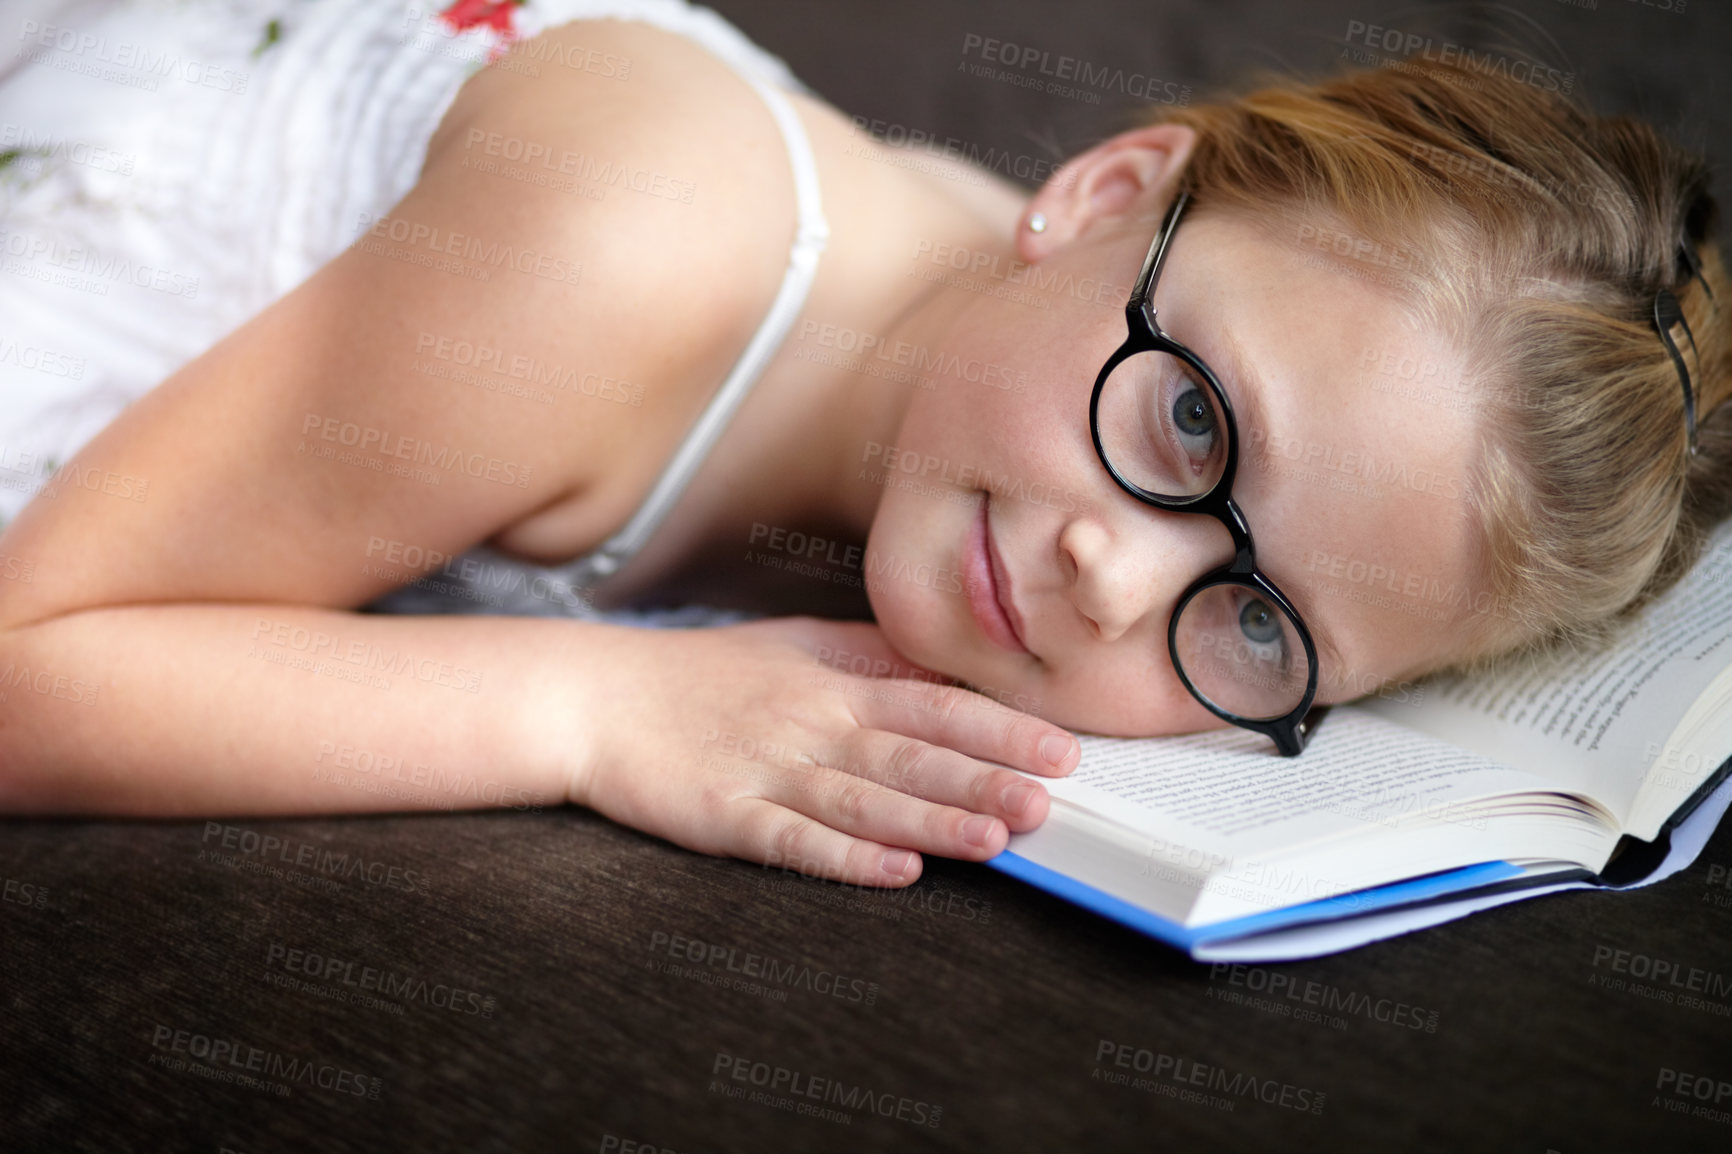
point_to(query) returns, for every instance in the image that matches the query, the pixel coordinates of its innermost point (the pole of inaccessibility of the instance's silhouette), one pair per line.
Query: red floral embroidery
(494, 14)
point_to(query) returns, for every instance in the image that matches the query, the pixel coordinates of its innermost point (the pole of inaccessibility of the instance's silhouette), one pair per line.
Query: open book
(1571, 770)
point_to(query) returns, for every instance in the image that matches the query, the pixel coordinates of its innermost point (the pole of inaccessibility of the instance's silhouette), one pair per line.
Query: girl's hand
(739, 741)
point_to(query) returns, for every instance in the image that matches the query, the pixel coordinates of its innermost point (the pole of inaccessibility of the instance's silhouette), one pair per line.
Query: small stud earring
(1036, 222)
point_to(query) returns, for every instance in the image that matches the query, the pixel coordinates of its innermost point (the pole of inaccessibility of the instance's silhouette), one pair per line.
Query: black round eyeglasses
(1163, 428)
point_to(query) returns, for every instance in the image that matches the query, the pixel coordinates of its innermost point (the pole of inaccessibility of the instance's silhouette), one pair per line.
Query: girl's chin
(922, 646)
(925, 648)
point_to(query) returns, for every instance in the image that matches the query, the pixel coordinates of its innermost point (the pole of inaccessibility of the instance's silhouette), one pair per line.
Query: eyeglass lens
(1162, 427)
(1242, 652)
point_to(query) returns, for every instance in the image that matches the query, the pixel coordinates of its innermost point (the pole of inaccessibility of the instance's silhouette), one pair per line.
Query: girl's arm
(740, 741)
(268, 708)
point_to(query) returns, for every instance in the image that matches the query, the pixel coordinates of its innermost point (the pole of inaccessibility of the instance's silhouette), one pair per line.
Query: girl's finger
(969, 723)
(893, 790)
(943, 776)
(773, 835)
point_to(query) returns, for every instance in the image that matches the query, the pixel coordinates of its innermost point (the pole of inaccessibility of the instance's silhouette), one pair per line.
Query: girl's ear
(1115, 178)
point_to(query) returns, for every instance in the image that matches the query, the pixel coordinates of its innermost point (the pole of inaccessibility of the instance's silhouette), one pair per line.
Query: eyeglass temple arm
(1139, 301)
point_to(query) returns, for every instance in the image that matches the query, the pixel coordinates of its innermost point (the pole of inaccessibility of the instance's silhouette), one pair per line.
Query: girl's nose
(1122, 573)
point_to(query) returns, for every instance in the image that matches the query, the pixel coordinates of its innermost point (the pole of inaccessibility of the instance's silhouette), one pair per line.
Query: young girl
(1264, 405)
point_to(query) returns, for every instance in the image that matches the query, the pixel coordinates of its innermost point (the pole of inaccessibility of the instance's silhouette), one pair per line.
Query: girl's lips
(988, 586)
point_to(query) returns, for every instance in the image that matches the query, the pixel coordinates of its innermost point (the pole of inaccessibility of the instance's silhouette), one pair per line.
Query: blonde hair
(1537, 235)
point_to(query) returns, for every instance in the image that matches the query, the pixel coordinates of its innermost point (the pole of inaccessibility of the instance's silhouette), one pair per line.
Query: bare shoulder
(643, 150)
(596, 107)
(663, 165)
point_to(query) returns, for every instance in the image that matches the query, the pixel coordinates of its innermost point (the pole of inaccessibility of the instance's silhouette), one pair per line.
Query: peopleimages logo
(764, 967)
(1405, 45)
(1684, 1093)
(858, 346)
(1661, 980)
(225, 1059)
(348, 978)
(244, 843)
(1112, 1058)
(904, 140)
(23, 141)
(783, 1087)
(1277, 984)
(97, 269)
(963, 475)
(1027, 66)
(121, 61)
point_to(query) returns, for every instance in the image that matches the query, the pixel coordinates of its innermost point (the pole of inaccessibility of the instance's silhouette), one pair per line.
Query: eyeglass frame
(1145, 335)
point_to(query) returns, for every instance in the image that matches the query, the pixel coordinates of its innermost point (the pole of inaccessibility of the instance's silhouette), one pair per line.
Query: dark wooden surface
(969, 992)
(988, 999)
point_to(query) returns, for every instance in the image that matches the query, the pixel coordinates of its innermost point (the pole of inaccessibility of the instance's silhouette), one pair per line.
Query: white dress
(177, 165)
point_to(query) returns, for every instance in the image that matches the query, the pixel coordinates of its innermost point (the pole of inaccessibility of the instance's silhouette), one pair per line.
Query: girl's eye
(1193, 424)
(1260, 623)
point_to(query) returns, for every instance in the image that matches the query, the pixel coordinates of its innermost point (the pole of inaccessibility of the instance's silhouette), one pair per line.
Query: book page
(1220, 800)
(1595, 721)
